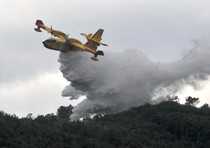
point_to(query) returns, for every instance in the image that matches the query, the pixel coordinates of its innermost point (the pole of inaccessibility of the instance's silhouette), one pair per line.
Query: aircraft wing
(40, 25)
(83, 47)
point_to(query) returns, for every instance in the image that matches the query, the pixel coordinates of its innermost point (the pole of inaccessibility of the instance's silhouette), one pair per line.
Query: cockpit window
(51, 40)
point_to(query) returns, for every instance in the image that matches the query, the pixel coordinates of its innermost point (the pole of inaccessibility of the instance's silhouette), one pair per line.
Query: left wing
(83, 47)
(40, 25)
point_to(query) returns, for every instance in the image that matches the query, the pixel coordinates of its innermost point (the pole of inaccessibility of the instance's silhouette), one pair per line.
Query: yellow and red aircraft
(61, 41)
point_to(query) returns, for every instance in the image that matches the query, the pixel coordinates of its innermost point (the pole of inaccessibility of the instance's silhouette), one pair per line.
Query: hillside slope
(166, 125)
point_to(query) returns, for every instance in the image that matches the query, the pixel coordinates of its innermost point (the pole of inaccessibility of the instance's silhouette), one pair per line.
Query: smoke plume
(128, 78)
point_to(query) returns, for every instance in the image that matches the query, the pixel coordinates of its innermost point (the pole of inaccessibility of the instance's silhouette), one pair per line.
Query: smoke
(128, 78)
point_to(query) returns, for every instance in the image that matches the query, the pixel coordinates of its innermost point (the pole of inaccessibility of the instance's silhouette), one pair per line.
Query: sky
(30, 80)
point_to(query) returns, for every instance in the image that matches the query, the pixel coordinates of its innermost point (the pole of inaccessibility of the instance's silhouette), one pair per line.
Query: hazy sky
(30, 80)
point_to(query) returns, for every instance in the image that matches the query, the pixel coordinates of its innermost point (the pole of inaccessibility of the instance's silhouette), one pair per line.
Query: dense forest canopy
(164, 125)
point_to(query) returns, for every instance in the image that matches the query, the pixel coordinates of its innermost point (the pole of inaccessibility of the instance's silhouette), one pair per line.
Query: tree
(29, 115)
(205, 106)
(191, 101)
(173, 98)
(64, 112)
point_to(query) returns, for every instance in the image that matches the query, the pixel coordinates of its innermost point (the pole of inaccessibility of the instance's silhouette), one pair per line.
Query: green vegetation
(165, 125)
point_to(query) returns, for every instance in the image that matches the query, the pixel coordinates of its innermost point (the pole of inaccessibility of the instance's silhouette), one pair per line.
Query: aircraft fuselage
(58, 45)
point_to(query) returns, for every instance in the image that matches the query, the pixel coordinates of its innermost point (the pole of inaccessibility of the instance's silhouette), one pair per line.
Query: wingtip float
(63, 43)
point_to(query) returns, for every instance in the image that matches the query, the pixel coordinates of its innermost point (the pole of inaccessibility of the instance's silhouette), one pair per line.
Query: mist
(128, 78)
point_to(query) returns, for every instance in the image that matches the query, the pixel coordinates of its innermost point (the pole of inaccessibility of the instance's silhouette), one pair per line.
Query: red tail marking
(39, 23)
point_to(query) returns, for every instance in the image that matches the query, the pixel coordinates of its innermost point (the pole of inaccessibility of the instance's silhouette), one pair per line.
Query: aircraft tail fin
(97, 36)
(94, 40)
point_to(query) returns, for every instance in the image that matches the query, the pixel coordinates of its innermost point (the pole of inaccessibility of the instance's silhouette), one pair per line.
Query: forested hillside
(165, 125)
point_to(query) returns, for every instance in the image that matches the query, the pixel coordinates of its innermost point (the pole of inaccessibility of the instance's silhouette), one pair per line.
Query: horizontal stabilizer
(104, 44)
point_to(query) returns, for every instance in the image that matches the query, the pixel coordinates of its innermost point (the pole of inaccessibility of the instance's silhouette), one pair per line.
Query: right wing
(40, 25)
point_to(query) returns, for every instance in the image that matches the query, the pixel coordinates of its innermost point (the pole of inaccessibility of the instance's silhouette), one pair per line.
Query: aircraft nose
(44, 43)
(49, 43)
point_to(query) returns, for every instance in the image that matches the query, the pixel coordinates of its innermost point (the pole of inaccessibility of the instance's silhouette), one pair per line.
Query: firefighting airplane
(63, 43)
